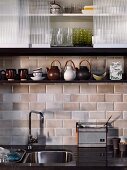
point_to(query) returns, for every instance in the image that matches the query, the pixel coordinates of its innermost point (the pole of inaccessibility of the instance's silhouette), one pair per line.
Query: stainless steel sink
(48, 157)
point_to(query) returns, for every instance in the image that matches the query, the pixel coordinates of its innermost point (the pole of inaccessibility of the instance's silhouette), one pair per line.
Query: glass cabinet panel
(110, 23)
(24, 23)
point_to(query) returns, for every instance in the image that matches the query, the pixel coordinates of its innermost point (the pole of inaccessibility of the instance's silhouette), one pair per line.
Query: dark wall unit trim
(63, 51)
(63, 81)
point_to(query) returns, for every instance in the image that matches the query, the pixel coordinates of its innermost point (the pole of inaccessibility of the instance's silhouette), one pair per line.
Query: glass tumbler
(3, 158)
(69, 37)
(59, 37)
(53, 39)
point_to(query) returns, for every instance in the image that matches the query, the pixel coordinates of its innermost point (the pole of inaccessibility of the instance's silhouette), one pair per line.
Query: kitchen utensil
(3, 75)
(122, 148)
(54, 72)
(115, 142)
(55, 8)
(69, 71)
(99, 77)
(106, 124)
(37, 78)
(37, 70)
(37, 74)
(60, 37)
(84, 72)
(98, 66)
(23, 74)
(11, 74)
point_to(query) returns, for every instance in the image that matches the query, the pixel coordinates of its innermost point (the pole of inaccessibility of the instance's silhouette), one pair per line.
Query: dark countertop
(82, 157)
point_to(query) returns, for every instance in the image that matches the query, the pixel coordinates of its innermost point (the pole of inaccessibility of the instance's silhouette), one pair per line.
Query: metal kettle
(84, 73)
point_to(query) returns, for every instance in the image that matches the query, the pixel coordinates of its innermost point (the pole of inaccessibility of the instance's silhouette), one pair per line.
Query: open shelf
(64, 15)
(63, 51)
(63, 81)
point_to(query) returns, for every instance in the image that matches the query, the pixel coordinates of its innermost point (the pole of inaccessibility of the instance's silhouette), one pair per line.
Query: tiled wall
(64, 104)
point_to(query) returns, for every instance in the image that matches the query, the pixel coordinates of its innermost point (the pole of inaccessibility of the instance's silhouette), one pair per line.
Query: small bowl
(37, 74)
(99, 77)
(37, 70)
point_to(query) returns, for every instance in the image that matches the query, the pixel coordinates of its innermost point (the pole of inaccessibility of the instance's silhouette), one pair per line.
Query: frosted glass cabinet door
(39, 20)
(110, 23)
(24, 23)
(14, 23)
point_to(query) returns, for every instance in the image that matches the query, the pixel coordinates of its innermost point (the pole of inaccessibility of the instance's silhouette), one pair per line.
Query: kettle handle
(87, 62)
(72, 64)
(57, 61)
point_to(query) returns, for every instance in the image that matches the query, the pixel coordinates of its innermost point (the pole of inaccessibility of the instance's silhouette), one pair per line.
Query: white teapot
(69, 71)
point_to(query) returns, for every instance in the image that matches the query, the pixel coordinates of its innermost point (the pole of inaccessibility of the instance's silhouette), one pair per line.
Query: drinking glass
(69, 37)
(59, 37)
(53, 40)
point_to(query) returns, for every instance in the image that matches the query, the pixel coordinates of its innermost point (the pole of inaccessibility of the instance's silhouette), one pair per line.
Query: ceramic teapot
(54, 72)
(69, 71)
(84, 73)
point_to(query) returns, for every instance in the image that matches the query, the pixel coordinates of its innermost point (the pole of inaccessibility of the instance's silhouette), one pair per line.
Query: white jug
(69, 71)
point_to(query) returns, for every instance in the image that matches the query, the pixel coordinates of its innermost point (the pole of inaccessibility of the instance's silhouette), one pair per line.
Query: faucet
(31, 139)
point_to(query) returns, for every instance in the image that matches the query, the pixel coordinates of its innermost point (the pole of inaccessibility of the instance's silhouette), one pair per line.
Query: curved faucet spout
(31, 139)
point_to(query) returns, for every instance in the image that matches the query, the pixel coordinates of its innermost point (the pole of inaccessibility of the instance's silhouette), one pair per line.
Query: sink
(48, 157)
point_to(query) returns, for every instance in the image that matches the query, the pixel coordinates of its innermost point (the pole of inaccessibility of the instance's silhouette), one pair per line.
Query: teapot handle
(58, 62)
(87, 62)
(72, 64)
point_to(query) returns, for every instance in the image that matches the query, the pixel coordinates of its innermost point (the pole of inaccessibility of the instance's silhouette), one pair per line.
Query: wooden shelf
(63, 81)
(63, 51)
(85, 14)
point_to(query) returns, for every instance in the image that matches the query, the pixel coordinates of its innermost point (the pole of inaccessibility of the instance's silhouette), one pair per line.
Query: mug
(3, 75)
(10, 74)
(23, 74)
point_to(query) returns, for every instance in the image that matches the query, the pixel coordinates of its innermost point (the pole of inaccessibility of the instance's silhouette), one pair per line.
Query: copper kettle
(54, 72)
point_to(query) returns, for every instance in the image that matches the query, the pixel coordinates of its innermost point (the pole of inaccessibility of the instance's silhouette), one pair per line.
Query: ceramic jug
(84, 73)
(54, 72)
(69, 71)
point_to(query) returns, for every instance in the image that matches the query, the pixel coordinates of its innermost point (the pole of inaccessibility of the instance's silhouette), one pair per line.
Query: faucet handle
(32, 139)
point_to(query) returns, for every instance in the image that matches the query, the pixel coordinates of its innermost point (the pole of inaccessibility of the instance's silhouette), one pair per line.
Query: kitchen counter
(90, 158)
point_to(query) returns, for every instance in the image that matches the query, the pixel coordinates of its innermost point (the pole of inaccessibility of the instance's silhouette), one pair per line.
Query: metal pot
(84, 72)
